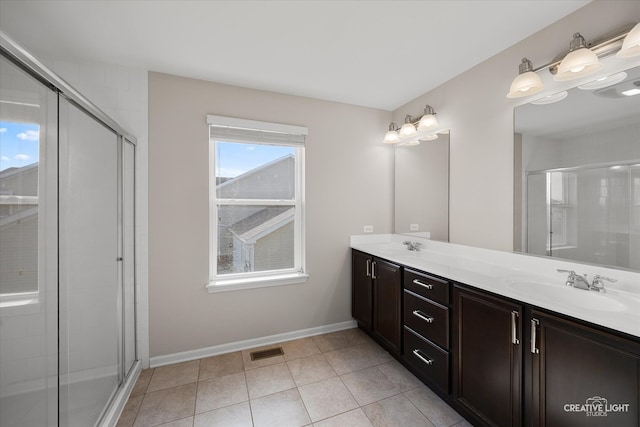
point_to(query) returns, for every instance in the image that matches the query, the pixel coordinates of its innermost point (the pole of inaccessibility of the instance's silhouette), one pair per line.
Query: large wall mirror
(422, 188)
(577, 173)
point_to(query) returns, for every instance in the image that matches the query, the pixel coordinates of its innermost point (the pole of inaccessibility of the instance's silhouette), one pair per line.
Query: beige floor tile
(327, 398)
(375, 353)
(433, 407)
(142, 383)
(282, 409)
(253, 364)
(299, 348)
(167, 405)
(399, 375)
(347, 360)
(238, 415)
(174, 375)
(220, 392)
(369, 385)
(310, 369)
(184, 422)
(356, 336)
(395, 411)
(355, 418)
(220, 366)
(332, 341)
(130, 411)
(268, 379)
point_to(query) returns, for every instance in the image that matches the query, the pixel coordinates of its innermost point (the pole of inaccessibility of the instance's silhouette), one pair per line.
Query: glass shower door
(28, 251)
(90, 319)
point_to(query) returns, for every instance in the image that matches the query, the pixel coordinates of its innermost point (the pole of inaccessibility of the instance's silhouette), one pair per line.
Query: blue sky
(233, 159)
(19, 143)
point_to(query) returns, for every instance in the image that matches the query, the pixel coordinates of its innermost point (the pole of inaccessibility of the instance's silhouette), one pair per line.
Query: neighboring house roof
(250, 173)
(15, 171)
(262, 223)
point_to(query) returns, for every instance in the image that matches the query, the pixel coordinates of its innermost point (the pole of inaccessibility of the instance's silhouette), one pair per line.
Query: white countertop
(530, 279)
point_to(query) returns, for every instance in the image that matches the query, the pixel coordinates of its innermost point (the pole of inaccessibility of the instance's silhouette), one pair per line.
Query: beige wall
(348, 185)
(474, 106)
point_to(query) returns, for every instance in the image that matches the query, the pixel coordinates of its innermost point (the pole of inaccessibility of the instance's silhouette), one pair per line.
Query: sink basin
(566, 295)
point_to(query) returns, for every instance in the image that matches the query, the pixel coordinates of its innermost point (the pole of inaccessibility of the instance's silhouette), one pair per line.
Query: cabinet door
(581, 376)
(387, 284)
(488, 354)
(361, 301)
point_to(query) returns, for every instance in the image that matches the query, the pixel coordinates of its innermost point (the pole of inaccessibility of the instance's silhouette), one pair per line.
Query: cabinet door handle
(514, 328)
(373, 270)
(368, 268)
(423, 316)
(534, 329)
(426, 285)
(424, 358)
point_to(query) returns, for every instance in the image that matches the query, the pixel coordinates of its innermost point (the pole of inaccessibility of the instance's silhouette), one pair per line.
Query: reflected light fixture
(579, 62)
(413, 130)
(527, 83)
(631, 44)
(582, 60)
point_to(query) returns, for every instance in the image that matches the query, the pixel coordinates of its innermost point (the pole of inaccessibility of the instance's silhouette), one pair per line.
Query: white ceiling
(380, 54)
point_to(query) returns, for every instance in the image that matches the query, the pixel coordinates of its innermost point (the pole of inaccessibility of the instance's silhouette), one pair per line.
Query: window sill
(226, 285)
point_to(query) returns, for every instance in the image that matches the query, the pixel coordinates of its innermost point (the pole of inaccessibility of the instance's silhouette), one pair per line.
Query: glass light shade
(578, 63)
(391, 137)
(525, 84)
(407, 129)
(411, 142)
(631, 44)
(428, 121)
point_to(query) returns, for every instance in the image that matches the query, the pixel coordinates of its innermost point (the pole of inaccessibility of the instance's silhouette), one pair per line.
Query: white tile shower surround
(530, 279)
(338, 379)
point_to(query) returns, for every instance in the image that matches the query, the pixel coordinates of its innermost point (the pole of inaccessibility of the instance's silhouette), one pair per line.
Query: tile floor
(341, 379)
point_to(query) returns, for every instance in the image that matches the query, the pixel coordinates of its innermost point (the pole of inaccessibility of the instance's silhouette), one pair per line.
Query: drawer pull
(423, 316)
(420, 356)
(426, 285)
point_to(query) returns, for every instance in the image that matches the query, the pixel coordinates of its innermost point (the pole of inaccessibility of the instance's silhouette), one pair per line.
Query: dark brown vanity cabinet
(426, 327)
(580, 375)
(376, 298)
(488, 357)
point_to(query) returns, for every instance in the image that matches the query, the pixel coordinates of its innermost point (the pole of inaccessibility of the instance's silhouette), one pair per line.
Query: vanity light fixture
(605, 81)
(631, 44)
(551, 99)
(579, 62)
(582, 59)
(391, 137)
(527, 83)
(413, 131)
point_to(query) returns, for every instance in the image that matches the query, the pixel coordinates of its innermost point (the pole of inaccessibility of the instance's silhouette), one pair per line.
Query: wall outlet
(368, 228)
(413, 227)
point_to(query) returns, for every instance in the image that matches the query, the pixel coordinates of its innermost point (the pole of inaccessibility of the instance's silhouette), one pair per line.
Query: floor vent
(265, 354)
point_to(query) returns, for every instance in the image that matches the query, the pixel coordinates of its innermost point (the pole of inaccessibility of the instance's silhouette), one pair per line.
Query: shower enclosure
(588, 213)
(67, 248)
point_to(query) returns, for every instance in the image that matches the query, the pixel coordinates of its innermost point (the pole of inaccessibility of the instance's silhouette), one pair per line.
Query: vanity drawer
(429, 319)
(431, 362)
(427, 286)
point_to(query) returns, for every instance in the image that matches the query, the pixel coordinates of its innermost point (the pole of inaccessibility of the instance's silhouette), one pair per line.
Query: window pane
(19, 148)
(254, 171)
(255, 238)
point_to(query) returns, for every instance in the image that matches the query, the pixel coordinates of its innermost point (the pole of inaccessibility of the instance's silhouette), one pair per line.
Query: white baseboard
(200, 353)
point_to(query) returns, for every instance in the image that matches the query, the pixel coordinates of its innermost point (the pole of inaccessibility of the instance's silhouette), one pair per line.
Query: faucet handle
(572, 276)
(598, 282)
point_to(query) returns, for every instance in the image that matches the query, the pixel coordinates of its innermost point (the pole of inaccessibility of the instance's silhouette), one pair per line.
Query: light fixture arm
(603, 47)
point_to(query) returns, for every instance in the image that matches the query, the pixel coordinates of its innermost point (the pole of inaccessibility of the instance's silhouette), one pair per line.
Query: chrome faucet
(412, 246)
(581, 282)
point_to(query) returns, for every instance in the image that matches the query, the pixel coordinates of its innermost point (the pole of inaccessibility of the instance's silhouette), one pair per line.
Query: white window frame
(256, 279)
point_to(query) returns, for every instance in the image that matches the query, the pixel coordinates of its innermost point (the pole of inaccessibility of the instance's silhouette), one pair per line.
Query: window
(562, 194)
(256, 186)
(19, 149)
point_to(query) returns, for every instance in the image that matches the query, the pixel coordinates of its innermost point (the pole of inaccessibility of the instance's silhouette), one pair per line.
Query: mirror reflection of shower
(576, 179)
(588, 213)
